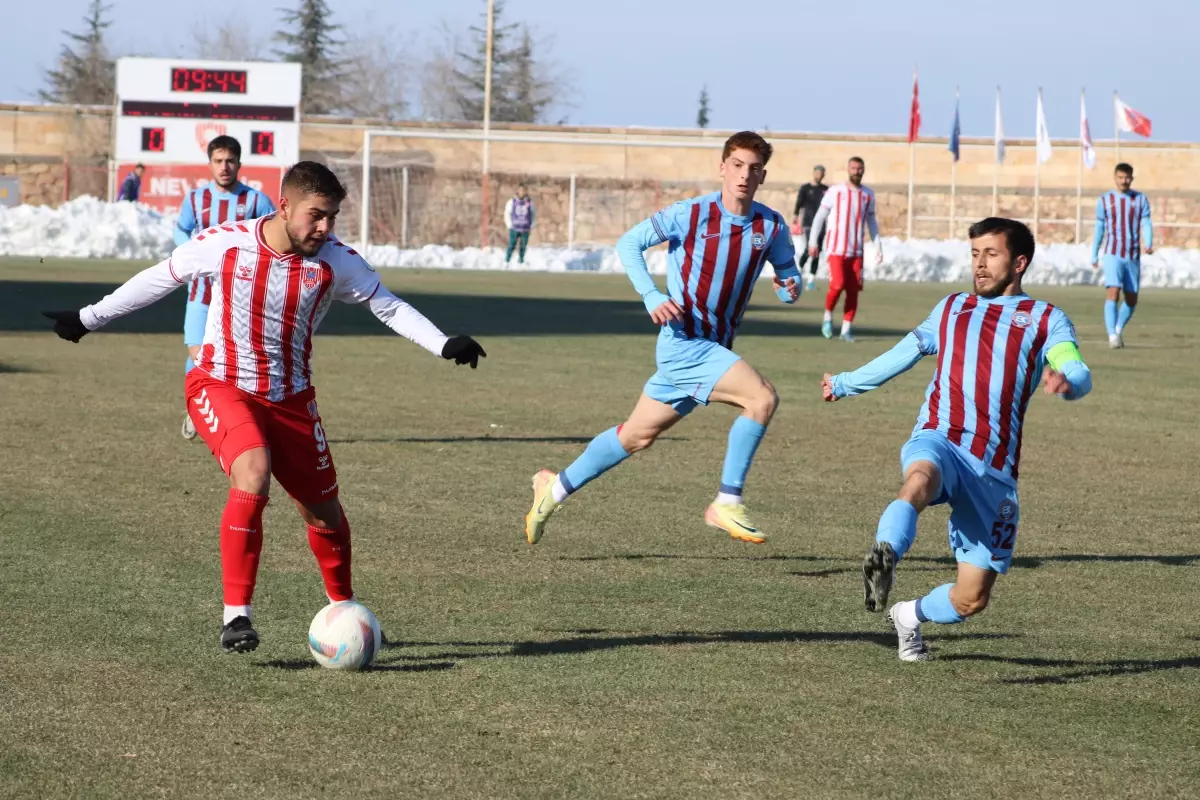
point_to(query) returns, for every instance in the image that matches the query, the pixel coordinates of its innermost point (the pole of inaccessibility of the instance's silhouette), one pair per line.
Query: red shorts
(232, 421)
(843, 270)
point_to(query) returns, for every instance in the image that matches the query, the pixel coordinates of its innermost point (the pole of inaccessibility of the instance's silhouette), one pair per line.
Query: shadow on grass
(21, 303)
(13, 369)
(855, 565)
(307, 663)
(1088, 670)
(476, 439)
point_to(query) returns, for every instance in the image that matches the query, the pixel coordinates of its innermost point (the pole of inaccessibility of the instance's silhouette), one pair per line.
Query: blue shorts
(688, 369)
(1122, 272)
(195, 317)
(984, 511)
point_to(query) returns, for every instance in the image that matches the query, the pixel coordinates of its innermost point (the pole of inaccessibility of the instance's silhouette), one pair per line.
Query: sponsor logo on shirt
(245, 272)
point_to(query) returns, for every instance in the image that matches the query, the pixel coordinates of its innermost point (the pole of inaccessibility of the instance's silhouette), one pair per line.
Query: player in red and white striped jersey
(849, 208)
(250, 396)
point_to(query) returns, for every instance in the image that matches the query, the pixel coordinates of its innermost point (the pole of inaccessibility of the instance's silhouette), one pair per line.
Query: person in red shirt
(250, 395)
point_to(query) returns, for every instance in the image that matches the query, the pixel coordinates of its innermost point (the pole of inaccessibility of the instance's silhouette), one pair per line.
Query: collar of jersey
(737, 218)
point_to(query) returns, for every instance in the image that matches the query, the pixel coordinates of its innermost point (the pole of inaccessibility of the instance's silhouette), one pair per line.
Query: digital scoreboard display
(262, 143)
(154, 140)
(219, 81)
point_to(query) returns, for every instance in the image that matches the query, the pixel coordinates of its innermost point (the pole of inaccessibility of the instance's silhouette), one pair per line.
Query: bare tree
(438, 90)
(228, 41)
(376, 73)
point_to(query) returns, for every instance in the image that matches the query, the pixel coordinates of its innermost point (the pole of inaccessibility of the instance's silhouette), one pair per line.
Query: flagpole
(1079, 176)
(954, 166)
(996, 163)
(1037, 177)
(912, 155)
(1116, 127)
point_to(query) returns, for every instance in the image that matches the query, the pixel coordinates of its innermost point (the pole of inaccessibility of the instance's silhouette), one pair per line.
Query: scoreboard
(169, 109)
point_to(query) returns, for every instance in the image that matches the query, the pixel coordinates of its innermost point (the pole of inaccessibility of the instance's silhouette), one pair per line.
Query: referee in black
(809, 199)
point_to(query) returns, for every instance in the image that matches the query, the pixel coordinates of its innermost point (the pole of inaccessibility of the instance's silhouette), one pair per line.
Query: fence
(411, 200)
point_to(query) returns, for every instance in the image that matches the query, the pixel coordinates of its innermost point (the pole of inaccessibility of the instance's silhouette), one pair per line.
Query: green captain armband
(1063, 353)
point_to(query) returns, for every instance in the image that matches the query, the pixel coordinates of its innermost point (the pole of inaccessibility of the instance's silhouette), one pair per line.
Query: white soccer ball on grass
(344, 635)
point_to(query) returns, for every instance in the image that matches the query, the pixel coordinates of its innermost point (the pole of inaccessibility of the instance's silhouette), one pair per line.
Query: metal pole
(487, 121)
(1037, 176)
(996, 159)
(1079, 174)
(571, 215)
(1116, 127)
(953, 192)
(912, 164)
(404, 208)
(364, 221)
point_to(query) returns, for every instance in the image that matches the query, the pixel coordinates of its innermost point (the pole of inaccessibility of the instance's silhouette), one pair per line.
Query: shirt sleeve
(782, 252)
(823, 213)
(899, 359)
(1058, 331)
(872, 223)
(928, 332)
(1061, 353)
(1147, 225)
(263, 205)
(406, 320)
(354, 280)
(186, 223)
(1098, 233)
(668, 222)
(630, 249)
(148, 286)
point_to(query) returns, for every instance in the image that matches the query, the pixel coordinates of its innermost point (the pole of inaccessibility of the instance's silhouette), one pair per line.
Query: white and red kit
(252, 383)
(847, 212)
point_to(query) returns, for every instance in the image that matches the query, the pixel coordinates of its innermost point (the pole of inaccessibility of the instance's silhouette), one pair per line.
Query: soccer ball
(344, 635)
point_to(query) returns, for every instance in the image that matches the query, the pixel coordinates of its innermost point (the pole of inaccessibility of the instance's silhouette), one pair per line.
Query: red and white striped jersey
(265, 305)
(849, 209)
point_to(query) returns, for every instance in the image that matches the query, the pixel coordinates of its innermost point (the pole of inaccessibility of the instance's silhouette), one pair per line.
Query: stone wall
(61, 152)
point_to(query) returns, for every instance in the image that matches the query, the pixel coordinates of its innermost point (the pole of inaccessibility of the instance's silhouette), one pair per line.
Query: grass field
(634, 652)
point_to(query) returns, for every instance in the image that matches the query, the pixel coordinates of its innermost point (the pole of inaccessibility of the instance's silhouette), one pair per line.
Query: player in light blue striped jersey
(1123, 228)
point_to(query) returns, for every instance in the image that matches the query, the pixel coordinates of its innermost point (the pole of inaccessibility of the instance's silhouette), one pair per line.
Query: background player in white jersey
(223, 199)
(966, 447)
(848, 209)
(250, 395)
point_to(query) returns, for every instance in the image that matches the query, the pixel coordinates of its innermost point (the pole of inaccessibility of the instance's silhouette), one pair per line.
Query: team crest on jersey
(758, 241)
(1021, 319)
(1007, 510)
(311, 277)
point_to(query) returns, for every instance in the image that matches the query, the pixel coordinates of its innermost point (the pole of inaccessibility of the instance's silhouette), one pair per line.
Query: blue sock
(898, 526)
(744, 438)
(1110, 316)
(1123, 316)
(936, 607)
(602, 454)
(189, 366)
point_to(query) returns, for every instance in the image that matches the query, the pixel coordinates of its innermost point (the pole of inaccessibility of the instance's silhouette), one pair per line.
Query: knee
(921, 485)
(1131, 299)
(321, 515)
(251, 471)
(764, 403)
(636, 439)
(969, 603)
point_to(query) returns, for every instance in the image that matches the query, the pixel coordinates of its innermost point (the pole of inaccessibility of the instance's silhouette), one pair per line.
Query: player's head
(1123, 176)
(856, 168)
(311, 198)
(1001, 250)
(818, 173)
(138, 169)
(521, 190)
(224, 160)
(744, 164)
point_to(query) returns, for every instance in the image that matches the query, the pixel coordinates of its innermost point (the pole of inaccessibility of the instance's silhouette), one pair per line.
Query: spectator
(131, 187)
(518, 218)
(809, 200)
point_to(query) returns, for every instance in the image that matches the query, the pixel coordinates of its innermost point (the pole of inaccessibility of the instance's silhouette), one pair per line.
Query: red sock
(241, 545)
(332, 549)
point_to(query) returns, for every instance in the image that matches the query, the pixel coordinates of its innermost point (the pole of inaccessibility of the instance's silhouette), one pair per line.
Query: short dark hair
(748, 140)
(1123, 167)
(224, 142)
(310, 177)
(857, 159)
(1016, 234)
(139, 165)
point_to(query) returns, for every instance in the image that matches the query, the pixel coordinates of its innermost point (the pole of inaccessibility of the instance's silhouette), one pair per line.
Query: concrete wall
(58, 152)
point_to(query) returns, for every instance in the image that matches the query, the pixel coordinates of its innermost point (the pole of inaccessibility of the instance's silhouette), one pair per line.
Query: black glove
(464, 350)
(67, 325)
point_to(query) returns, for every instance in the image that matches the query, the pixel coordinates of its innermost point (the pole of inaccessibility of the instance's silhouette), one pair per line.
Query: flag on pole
(999, 131)
(1085, 135)
(1131, 121)
(955, 130)
(914, 116)
(1044, 150)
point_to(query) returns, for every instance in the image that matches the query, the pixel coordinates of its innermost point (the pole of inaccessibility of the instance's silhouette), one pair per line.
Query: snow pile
(86, 228)
(89, 228)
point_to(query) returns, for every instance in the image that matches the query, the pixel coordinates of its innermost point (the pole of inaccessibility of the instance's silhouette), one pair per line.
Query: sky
(784, 66)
